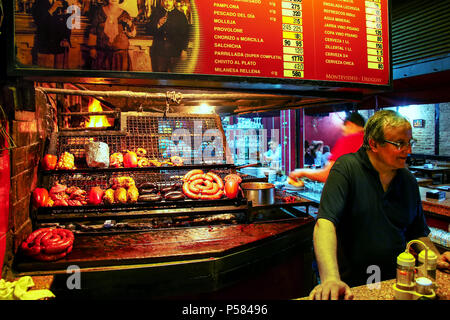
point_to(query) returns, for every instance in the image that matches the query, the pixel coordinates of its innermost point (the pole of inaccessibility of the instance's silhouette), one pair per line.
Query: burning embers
(94, 118)
(96, 121)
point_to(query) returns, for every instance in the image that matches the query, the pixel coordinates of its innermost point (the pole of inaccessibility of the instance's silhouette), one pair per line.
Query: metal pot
(260, 193)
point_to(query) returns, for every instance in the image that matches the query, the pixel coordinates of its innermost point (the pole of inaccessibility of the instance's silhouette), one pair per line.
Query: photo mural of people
(111, 28)
(52, 38)
(118, 35)
(170, 30)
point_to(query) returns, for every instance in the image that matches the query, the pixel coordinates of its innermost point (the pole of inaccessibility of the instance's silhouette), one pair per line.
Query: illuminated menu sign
(335, 40)
(298, 41)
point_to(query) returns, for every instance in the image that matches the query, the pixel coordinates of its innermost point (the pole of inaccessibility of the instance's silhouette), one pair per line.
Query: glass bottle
(405, 271)
(431, 269)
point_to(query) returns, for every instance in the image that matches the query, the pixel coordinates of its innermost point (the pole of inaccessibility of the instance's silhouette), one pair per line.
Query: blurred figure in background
(273, 156)
(309, 159)
(325, 156)
(317, 153)
(351, 141)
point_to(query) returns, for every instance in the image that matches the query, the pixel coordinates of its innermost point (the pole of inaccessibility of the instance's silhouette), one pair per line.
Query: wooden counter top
(386, 291)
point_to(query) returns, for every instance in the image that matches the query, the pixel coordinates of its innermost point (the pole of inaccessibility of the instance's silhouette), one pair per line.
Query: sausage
(57, 241)
(217, 179)
(174, 195)
(147, 191)
(193, 185)
(195, 177)
(149, 197)
(199, 185)
(208, 177)
(34, 234)
(190, 173)
(53, 257)
(215, 196)
(49, 244)
(147, 185)
(69, 234)
(213, 190)
(57, 247)
(167, 189)
(188, 192)
(204, 185)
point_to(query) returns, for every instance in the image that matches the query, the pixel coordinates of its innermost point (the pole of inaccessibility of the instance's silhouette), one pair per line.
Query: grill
(153, 132)
(150, 131)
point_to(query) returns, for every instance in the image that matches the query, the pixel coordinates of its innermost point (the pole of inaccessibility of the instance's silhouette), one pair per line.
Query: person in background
(351, 141)
(309, 159)
(170, 30)
(111, 28)
(52, 39)
(369, 210)
(273, 155)
(325, 156)
(317, 152)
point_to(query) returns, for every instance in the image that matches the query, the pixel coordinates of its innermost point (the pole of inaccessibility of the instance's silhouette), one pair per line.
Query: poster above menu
(298, 41)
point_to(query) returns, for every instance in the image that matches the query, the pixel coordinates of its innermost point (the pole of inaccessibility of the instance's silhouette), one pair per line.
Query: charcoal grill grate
(153, 132)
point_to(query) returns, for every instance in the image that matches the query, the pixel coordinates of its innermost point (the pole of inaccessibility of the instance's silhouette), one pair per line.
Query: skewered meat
(120, 195)
(122, 182)
(176, 160)
(108, 197)
(66, 161)
(141, 152)
(132, 194)
(143, 162)
(116, 160)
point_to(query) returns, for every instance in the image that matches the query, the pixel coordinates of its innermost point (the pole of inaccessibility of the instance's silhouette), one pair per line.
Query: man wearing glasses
(370, 208)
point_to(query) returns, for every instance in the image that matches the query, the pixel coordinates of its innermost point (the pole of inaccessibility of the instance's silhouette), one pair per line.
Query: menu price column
(292, 21)
(374, 35)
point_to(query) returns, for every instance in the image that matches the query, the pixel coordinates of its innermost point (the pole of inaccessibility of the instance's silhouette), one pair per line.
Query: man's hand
(331, 290)
(443, 261)
(297, 174)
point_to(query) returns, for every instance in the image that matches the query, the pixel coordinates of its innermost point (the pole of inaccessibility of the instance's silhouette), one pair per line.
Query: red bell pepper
(49, 162)
(40, 197)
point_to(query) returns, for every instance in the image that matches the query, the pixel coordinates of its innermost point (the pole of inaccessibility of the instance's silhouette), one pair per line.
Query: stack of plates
(289, 186)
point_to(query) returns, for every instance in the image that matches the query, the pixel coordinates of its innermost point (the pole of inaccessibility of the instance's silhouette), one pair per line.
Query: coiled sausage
(190, 173)
(217, 179)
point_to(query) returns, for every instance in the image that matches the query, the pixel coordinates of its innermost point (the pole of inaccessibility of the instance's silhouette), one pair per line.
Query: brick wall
(25, 159)
(425, 136)
(444, 129)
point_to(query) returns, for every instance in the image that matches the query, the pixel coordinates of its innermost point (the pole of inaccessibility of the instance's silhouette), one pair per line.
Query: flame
(96, 121)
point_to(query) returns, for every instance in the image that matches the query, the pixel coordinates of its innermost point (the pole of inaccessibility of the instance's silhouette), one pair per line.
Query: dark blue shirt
(372, 226)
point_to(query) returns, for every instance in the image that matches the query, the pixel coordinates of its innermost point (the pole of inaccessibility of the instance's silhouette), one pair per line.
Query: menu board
(295, 42)
(334, 40)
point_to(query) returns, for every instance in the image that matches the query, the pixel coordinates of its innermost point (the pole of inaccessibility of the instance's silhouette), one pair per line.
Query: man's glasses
(402, 145)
